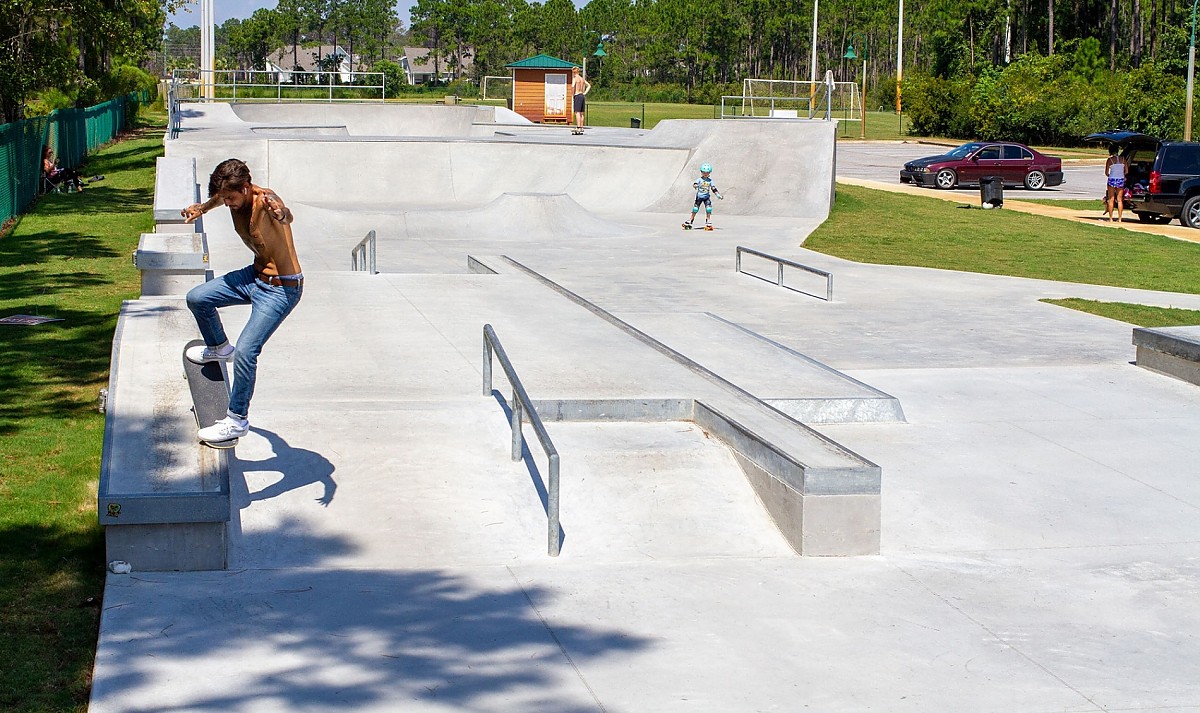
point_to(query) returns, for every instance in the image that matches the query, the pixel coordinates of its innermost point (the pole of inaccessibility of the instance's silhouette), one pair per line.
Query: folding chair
(49, 186)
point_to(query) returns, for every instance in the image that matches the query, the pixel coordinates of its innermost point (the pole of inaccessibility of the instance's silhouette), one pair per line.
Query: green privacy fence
(71, 133)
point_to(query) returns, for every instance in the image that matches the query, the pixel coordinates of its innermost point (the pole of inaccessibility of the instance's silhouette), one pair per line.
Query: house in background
(281, 62)
(418, 65)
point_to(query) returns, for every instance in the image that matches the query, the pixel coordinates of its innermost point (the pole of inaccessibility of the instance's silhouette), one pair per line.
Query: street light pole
(899, 53)
(851, 55)
(1187, 113)
(812, 80)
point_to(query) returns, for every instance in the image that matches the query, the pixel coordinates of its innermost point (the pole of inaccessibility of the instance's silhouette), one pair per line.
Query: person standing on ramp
(579, 89)
(271, 285)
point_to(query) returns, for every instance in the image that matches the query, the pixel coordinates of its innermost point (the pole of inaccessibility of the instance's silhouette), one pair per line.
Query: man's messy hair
(231, 174)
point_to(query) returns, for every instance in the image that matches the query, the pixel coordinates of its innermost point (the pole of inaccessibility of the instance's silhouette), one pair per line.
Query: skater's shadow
(299, 467)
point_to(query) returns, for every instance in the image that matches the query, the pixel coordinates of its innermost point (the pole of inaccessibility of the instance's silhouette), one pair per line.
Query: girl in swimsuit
(1115, 168)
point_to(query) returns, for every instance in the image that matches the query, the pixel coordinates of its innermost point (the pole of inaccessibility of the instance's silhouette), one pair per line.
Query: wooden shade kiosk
(542, 89)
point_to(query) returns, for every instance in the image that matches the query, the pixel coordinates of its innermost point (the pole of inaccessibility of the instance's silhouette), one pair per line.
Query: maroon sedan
(1016, 164)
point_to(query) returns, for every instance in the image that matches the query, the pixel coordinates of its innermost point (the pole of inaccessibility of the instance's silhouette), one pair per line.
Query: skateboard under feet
(210, 393)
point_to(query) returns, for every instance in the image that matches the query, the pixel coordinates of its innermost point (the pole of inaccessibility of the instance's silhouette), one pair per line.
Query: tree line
(698, 48)
(74, 49)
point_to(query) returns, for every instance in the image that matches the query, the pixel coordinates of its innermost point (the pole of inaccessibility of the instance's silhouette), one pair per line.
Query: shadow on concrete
(539, 483)
(298, 466)
(535, 475)
(345, 640)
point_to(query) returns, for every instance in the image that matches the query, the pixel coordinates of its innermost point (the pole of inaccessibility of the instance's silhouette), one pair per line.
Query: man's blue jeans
(269, 305)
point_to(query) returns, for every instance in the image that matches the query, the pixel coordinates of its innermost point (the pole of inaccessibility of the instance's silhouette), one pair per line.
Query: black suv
(1164, 176)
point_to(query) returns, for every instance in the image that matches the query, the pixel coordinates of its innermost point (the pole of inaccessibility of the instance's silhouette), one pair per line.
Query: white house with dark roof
(418, 65)
(283, 63)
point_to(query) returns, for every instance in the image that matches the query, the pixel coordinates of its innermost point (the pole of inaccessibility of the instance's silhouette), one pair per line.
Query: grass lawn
(618, 113)
(897, 229)
(1141, 315)
(69, 257)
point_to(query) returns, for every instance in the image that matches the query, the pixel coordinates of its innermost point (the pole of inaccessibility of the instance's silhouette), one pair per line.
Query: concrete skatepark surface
(1039, 547)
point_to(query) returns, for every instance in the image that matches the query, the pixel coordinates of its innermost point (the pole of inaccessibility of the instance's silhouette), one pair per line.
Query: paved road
(882, 162)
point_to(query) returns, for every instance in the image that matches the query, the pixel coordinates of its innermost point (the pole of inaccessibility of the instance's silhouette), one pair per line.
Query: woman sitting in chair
(56, 176)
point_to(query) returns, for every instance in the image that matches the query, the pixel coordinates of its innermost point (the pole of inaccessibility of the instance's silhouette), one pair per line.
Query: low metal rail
(522, 408)
(362, 257)
(781, 262)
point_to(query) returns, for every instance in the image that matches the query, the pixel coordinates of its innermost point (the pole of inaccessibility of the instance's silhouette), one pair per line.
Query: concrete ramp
(406, 157)
(373, 119)
(526, 216)
(414, 173)
(778, 167)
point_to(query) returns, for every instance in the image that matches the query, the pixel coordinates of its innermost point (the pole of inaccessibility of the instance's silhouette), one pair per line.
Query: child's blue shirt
(704, 187)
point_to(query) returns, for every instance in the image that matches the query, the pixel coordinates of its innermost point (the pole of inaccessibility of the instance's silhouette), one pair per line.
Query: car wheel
(946, 179)
(1190, 214)
(1035, 180)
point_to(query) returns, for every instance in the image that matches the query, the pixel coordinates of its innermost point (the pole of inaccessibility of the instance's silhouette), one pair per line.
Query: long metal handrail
(522, 405)
(362, 257)
(781, 261)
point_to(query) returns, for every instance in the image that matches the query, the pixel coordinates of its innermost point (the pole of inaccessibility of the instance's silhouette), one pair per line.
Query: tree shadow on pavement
(347, 639)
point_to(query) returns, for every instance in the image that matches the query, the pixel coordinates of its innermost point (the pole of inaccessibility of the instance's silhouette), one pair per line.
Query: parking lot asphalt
(881, 161)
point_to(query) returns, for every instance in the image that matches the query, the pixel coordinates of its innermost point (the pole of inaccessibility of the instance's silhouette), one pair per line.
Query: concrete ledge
(175, 188)
(163, 498)
(172, 263)
(1174, 351)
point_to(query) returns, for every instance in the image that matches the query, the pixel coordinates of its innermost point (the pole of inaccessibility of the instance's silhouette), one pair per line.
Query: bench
(163, 499)
(1174, 351)
(175, 188)
(450, 99)
(171, 263)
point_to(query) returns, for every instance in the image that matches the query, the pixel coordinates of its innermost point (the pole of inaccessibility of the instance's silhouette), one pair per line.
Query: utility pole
(899, 54)
(207, 50)
(812, 80)
(1187, 113)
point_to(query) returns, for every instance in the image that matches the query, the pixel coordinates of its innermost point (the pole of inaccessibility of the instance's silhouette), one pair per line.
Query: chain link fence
(71, 133)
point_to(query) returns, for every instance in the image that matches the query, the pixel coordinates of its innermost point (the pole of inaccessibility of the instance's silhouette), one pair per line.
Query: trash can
(991, 191)
(635, 122)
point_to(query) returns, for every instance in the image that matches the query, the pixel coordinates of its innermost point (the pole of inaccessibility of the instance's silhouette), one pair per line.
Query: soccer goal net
(801, 99)
(499, 86)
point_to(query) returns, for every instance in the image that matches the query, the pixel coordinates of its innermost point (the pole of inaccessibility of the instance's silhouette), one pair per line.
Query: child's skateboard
(210, 393)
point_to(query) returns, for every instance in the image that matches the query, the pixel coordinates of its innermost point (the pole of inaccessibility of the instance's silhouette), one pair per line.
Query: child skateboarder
(271, 285)
(705, 189)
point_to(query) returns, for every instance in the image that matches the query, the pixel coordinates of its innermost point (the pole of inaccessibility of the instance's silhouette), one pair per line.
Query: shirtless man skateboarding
(271, 285)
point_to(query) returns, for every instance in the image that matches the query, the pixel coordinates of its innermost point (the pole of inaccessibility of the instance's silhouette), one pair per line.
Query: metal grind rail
(362, 257)
(781, 262)
(522, 405)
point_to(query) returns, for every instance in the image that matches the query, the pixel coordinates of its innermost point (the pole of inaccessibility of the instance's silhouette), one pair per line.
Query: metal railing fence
(362, 257)
(270, 85)
(781, 262)
(522, 408)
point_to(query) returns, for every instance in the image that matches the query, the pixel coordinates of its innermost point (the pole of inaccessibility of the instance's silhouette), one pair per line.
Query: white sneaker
(226, 429)
(204, 355)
